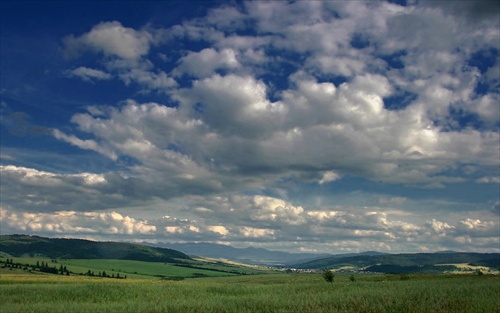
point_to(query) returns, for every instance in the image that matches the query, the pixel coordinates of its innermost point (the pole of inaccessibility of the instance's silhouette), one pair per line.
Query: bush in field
(328, 276)
(352, 278)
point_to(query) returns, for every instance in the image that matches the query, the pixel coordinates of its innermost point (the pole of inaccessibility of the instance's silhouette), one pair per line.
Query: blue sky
(336, 126)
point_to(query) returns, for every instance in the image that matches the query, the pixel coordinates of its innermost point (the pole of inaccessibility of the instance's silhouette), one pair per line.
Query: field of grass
(140, 269)
(251, 293)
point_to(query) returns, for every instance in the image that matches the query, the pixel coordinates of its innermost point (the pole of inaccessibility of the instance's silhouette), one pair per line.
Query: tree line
(44, 267)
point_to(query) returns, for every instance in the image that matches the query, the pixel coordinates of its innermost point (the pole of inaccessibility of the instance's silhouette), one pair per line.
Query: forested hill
(406, 260)
(18, 245)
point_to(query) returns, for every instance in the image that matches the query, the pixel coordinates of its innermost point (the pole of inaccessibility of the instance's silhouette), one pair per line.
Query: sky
(302, 126)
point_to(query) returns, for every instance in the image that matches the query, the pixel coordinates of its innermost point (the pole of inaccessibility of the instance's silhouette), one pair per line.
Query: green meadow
(22, 292)
(137, 269)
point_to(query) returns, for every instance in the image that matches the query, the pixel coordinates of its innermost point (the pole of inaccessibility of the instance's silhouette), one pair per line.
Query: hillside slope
(408, 261)
(18, 245)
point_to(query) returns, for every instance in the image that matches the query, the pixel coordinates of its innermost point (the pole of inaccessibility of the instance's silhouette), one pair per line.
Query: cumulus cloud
(205, 62)
(285, 95)
(76, 223)
(28, 188)
(151, 81)
(110, 38)
(218, 229)
(268, 222)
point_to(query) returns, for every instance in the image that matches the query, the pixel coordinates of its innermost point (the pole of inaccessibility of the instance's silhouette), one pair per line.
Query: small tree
(328, 276)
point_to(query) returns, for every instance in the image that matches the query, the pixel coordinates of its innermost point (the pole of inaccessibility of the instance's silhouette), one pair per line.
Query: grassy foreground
(257, 293)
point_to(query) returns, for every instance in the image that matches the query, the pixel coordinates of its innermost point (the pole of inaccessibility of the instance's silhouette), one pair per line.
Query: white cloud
(488, 180)
(88, 74)
(218, 229)
(274, 97)
(151, 81)
(268, 222)
(329, 176)
(76, 223)
(256, 232)
(88, 144)
(205, 62)
(110, 38)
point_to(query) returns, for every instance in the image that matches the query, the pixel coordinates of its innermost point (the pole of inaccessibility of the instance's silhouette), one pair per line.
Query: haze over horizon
(306, 126)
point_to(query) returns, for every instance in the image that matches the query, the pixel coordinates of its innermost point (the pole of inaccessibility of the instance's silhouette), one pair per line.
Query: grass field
(140, 269)
(251, 293)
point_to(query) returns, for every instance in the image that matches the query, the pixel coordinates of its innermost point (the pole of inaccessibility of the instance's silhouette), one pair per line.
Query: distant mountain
(248, 255)
(410, 262)
(364, 253)
(18, 245)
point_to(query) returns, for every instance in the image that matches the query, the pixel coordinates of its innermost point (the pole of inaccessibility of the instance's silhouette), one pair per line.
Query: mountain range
(250, 255)
(369, 261)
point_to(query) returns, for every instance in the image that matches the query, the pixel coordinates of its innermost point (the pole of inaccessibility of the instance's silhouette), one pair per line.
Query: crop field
(20, 292)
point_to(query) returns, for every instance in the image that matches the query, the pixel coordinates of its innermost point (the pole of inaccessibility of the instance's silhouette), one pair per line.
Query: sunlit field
(251, 293)
(137, 269)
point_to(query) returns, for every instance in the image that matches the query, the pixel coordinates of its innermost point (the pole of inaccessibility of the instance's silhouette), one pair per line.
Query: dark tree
(328, 276)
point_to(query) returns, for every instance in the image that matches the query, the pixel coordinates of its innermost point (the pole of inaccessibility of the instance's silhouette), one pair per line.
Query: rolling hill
(370, 261)
(19, 245)
(405, 263)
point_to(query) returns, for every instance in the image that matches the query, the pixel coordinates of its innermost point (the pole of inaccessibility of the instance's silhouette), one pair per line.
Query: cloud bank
(252, 102)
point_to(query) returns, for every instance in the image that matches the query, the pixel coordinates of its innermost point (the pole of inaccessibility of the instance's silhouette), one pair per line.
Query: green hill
(22, 245)
(409, 262)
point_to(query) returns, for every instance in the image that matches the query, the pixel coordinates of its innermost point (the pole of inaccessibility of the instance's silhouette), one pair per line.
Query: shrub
(328, 276)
